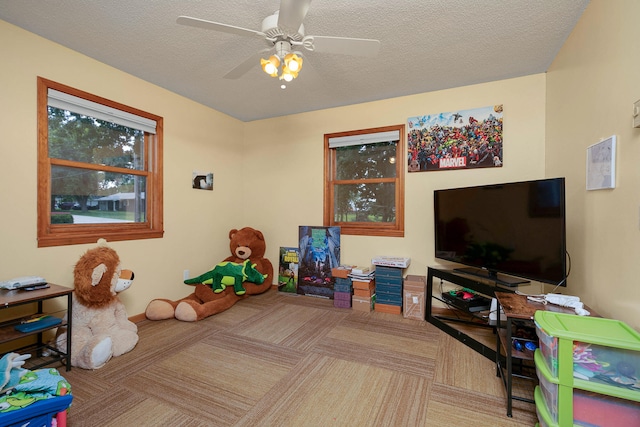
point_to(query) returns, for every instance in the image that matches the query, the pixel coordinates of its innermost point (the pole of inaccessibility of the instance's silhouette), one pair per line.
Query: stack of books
(362, 273)
(364, 289)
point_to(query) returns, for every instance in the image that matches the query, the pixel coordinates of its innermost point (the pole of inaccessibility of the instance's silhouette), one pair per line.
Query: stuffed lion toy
(215, 291)
(100, 326)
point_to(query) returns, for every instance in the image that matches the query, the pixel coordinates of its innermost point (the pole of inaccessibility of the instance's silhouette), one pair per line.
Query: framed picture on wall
(601, 164)
(202, 180)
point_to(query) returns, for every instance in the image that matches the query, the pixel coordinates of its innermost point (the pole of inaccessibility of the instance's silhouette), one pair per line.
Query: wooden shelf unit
(8, 333)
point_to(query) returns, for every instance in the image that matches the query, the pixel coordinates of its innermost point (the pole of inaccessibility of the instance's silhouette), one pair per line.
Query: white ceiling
(426, 45)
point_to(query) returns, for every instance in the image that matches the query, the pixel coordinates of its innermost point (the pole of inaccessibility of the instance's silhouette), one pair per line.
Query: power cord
(553, 291)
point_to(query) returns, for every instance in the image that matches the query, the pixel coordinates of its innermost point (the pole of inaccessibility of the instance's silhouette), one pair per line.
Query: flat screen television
(510, 233)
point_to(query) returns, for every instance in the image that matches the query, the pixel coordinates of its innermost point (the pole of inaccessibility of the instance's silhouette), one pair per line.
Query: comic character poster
(458, 140)
(288, 270)
(319, 252)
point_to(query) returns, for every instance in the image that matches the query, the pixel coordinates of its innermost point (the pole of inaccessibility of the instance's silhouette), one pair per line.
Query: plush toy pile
(245, 272)
(20, 387)
(100, 326)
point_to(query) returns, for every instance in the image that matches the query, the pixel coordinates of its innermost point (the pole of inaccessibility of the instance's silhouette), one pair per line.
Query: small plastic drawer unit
(389, 285)
(588, 368)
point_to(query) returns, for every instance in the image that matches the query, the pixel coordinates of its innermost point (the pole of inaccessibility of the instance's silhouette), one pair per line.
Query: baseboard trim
(138, 318)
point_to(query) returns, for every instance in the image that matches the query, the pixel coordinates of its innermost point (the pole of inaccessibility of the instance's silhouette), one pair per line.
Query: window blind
(365, 138)
(88, 108)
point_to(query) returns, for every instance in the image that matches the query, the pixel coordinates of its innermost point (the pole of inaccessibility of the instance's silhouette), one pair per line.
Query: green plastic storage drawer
(589, 370)
(606, 352)
(587, 408)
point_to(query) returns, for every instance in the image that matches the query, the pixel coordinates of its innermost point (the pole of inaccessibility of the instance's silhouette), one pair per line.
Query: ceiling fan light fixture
(271, 65)
(285, 30)
(293, 62)
(288, 75)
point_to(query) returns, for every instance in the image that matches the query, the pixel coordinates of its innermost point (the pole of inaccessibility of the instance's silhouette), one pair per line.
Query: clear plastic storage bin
(589, 408)
(589, 370)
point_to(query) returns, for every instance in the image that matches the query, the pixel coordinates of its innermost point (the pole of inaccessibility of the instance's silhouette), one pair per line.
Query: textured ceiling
(426, 45)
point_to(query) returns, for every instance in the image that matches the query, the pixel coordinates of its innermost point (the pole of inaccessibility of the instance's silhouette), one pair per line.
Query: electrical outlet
(185, 274)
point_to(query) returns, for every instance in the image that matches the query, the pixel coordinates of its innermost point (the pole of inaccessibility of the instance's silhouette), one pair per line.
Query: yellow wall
(196, 222)
(269, 173)
(591, 87)
(288, 164)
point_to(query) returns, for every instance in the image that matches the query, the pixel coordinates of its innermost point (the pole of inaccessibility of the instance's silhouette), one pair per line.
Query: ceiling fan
(284, 32)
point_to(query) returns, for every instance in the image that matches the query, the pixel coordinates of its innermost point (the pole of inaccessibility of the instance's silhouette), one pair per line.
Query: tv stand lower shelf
(474, 329)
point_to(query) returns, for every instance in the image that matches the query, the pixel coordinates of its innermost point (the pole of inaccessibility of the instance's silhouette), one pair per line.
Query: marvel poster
(319, 252)
(458, 140)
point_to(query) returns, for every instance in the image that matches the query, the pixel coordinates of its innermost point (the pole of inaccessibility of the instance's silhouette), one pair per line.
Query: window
(364, 181)
(99, 169)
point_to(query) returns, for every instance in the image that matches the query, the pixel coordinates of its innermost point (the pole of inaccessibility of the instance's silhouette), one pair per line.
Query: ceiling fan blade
(216, 26)
(292, 13)
(345, 45)
(246, 65)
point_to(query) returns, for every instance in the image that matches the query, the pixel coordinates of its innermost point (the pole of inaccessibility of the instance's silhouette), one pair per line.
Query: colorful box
(342, 296)
(341, 303)
(343, 281)
(342, 285)
(359, 284)
(363, 304)
(384, 297)
(340, 272)
(387, 308)
(341, 288)
(342, 299)
(367, 293)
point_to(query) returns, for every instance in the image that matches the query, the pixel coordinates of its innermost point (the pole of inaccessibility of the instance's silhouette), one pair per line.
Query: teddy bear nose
(243, 252)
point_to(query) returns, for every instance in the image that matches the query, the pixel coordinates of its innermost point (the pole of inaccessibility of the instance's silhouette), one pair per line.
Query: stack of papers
(365, 276)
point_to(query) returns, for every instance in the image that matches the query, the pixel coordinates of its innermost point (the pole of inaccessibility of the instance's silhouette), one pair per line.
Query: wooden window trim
(363, 228)
(71, 234)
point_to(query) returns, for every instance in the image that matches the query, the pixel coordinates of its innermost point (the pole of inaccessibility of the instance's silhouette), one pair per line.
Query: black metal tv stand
(492, 276)
(447, 323)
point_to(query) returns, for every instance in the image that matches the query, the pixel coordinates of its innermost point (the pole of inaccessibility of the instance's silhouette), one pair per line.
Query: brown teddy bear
(245, 244)
(100, 326)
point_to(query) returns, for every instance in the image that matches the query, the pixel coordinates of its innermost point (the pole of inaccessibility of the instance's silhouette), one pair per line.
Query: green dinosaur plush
(229, 273)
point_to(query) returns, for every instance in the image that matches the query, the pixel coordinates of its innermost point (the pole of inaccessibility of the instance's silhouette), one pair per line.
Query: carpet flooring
(280, 359)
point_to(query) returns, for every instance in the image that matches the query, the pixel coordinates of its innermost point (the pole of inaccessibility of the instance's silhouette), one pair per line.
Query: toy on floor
(100, 325)
(246, 244)
(229, 273)
(31, 397)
